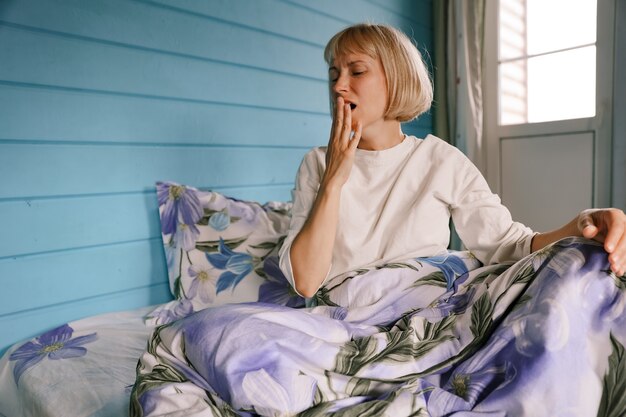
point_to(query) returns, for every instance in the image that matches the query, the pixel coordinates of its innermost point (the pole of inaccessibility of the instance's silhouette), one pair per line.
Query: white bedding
(79, 374)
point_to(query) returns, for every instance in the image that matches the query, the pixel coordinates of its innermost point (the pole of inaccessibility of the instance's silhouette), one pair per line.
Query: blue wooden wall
(100, 99)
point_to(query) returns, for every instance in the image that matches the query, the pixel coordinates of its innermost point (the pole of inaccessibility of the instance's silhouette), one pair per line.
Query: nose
(341, 84)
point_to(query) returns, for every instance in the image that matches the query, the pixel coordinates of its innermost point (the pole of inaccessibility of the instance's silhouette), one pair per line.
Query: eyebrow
(358, 61)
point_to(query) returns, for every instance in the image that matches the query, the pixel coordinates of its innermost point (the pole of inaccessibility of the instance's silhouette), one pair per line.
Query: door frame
(601, 124)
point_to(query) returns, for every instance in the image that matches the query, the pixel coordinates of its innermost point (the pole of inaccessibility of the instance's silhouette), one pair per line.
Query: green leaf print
(620, 282)
(204, 221)
(355, 354)
(211, 246)
(179, 292)
(269, 246)
(160, 374)
(358, 386)
(322, 298)
(436, 279)
(434, 331)
(396, 265)
(494, 270)
(613, 402)
(320, 410)
(481, 316)
(524, 276)
(402, 345)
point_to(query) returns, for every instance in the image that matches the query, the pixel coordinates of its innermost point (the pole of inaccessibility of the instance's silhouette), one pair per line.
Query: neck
(381, 135)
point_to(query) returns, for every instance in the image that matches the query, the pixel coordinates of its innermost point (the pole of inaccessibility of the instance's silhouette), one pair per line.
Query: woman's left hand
(609, 227)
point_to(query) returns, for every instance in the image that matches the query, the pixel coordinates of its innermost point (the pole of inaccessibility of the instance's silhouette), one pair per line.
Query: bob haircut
(409, 89)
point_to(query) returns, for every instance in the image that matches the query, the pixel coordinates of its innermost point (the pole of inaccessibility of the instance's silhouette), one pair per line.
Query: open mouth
(352, 106)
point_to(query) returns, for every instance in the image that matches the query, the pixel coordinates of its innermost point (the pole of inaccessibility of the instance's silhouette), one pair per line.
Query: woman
(375, 195)
(398, 340)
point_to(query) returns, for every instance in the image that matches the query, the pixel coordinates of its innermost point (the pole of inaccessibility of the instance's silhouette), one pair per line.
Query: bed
(436, 336)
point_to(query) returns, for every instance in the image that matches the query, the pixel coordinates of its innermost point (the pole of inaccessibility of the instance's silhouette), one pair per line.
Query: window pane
(562, 85)
(549, 87)
(560, 24)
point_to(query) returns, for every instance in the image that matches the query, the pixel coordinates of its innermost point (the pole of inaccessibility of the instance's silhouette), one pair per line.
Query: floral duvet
(83, 368)
(439, 336)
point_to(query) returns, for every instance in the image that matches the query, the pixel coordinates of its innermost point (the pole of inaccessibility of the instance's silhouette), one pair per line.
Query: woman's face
(360, 80)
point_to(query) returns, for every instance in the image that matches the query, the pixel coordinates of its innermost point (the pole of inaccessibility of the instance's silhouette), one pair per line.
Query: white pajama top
(397, 204)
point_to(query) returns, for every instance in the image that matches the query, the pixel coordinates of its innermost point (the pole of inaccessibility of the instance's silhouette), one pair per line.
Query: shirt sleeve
(483, 223)
(303, 196)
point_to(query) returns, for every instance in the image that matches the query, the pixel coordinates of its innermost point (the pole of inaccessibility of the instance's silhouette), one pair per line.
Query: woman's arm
(604, 225)
(311, 250)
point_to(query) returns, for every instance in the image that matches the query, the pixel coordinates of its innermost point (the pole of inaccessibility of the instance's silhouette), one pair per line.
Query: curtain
(458, 102)
(458, 92)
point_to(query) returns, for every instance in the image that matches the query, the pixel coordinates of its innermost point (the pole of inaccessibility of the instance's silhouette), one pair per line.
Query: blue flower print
(456, 304)
(181, 204)
(219, 221)
(478, 377)
(276, 289)
(236, 264)
(451, 266)
(55, 344)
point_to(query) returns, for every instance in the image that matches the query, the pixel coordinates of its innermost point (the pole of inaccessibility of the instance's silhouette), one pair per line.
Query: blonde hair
(409, 89)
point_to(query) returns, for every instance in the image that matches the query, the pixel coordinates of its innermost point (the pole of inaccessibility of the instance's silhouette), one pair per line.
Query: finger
(590, 232)
(618, 257)
(615, 233)
(356, 138)
(587, 226)
(347, 124)
(339, 114)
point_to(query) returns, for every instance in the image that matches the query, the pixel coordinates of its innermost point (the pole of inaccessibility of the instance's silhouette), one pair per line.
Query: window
(547, 60)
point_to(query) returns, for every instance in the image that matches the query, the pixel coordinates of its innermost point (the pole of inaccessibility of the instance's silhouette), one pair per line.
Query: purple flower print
(180, 205)
(277, 290)
(55, 344)
(185, 236)
(203, 284)
(236, 264)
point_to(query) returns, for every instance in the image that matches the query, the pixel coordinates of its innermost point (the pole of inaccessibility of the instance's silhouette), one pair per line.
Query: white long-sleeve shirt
(397, 204)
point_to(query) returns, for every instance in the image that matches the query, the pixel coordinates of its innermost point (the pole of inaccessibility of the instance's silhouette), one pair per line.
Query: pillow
(220, 250)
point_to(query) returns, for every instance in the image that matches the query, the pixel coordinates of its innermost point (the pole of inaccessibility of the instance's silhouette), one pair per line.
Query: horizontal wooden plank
(274, 16)
(169, 30)
(49, 114)
(40, 169)
(20, 326)
(77, 222)
(73, 223)
(353, 11)
(49, 279)
(39, 58)
(419, 11)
